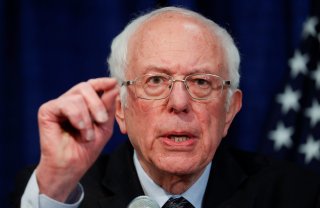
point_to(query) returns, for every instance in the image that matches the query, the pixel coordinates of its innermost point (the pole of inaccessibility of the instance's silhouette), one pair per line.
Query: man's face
(176, 135)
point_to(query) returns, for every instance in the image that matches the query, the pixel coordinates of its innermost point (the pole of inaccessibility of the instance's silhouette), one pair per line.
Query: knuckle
(71, 106)
(90, 81)
(77, 89)
(75, 109)
(44, 109)
(83, 85)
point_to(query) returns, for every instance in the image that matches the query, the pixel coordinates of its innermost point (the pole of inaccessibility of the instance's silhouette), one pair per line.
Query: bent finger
(75, 117)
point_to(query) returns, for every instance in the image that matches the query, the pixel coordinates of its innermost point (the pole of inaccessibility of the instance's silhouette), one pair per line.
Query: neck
(175, 184)
(172, 183)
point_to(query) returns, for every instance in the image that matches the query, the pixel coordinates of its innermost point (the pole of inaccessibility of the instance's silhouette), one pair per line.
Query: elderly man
(178, 95)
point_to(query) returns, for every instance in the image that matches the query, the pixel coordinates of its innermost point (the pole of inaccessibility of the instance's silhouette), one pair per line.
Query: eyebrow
(157, 69)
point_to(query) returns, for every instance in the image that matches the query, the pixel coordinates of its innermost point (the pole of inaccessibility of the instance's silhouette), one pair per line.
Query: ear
(234, 107)
(120, 115)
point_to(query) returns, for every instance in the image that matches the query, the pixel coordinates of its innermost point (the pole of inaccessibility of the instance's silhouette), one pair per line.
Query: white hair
(117, 60)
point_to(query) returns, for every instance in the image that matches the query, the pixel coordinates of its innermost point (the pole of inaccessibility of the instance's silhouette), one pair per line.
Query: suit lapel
(225, 177)
(121, 179)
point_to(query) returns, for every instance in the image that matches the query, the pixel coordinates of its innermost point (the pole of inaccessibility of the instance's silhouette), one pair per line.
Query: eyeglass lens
(199, 86)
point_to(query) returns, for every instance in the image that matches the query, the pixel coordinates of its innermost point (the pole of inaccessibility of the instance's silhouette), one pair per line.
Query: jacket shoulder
(275, 183)
(254, 163)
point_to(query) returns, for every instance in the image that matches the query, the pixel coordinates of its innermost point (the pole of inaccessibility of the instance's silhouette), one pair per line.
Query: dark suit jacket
(237, 179)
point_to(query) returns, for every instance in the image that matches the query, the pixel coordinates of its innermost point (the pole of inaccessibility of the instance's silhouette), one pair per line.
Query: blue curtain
(47, 46)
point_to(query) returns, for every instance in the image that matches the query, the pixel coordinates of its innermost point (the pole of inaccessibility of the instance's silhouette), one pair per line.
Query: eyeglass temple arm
(227, 82)
(127, 83)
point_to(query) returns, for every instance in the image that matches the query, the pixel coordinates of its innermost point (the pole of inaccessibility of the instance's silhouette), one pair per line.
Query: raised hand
(74, 128)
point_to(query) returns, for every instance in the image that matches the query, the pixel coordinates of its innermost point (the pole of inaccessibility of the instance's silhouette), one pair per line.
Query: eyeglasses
(159, 86)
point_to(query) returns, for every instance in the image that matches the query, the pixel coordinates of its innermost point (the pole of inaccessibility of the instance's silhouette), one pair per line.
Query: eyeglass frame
(173, 80)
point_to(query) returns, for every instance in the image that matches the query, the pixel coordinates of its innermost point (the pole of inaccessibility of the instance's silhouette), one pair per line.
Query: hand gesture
(74, 128)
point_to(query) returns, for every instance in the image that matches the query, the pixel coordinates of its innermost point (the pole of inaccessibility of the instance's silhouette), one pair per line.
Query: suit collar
(225, 177)
(121, 178)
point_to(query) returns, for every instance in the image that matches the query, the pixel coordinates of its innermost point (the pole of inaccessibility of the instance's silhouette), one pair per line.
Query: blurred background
(47, 46)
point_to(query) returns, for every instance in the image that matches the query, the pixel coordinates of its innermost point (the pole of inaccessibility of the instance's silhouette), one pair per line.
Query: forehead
(173, 40)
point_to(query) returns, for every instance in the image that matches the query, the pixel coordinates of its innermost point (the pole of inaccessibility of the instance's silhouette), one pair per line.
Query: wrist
(56, 184)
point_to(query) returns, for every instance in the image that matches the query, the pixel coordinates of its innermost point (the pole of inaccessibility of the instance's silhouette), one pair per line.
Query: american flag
(294, 130)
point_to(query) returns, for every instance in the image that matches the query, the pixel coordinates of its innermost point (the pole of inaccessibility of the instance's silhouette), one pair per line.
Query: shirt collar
(194, 194)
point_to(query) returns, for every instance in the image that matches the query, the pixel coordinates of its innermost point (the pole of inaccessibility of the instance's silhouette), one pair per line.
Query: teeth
(179, 138)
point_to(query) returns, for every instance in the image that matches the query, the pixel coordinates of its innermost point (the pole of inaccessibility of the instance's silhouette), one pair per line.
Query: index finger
(102, 84)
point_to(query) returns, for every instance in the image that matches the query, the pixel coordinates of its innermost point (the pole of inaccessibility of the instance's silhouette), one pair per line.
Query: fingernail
(81, 125)
(90, 135)
(102, 117)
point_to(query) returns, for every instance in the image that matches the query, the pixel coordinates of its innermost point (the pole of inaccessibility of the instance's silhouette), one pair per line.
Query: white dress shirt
(32, 198)
(194, 194)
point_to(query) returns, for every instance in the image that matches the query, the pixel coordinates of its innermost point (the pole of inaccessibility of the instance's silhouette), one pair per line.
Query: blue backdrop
(47, 46)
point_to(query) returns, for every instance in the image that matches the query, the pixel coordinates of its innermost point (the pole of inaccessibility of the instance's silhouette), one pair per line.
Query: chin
(180, 166)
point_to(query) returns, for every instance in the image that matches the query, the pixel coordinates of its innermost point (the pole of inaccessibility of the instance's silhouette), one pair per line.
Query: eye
(200, 82)
(155, 80)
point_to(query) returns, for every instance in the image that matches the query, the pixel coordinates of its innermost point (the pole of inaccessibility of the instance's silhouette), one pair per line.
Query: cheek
(216, 118)
(140, 122)
(211, 118)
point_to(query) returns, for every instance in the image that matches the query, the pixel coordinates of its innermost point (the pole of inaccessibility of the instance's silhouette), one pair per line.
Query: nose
(179, 99)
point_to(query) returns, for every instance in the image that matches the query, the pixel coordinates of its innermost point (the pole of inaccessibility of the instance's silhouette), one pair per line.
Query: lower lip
(185, 144)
